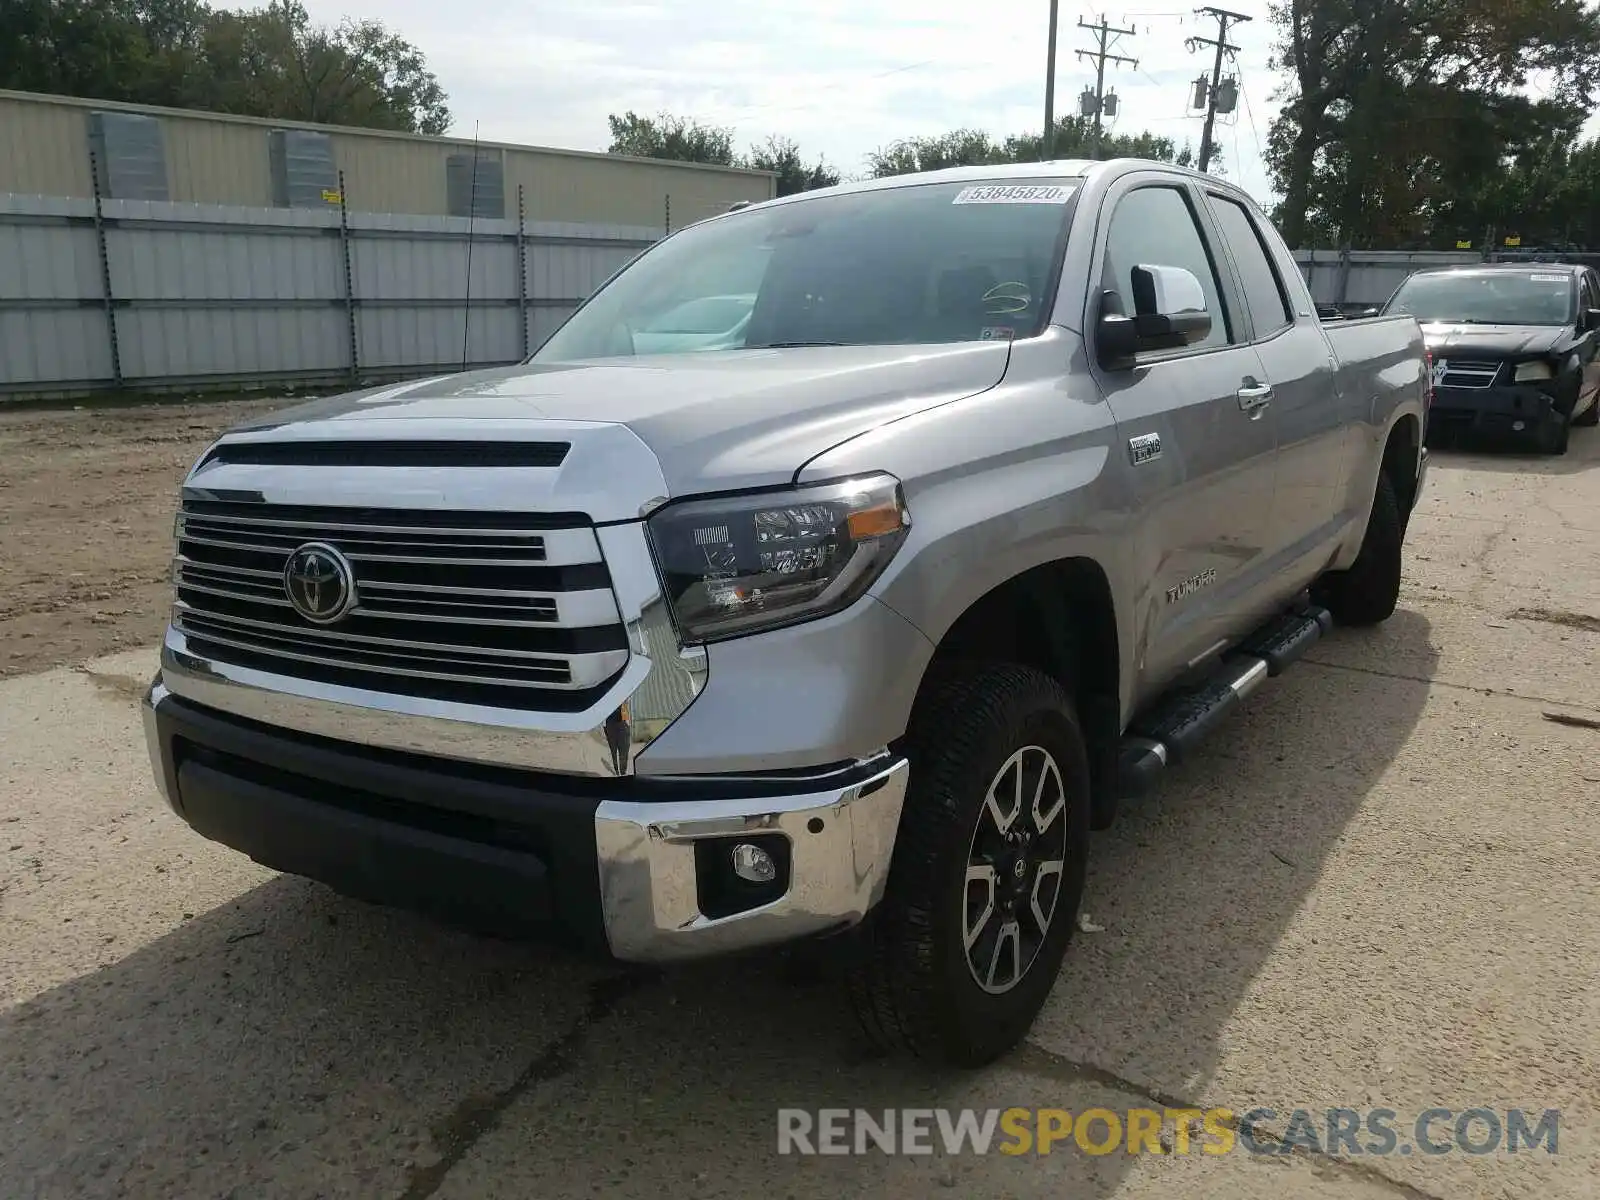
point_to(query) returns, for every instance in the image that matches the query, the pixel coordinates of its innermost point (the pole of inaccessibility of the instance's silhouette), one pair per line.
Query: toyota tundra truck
(832, 572)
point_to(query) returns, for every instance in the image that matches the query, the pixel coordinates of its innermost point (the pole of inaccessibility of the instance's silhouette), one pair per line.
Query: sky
(840, 78)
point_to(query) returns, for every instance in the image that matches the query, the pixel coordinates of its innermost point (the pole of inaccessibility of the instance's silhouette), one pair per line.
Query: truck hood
(1445, 339)
(715, 421)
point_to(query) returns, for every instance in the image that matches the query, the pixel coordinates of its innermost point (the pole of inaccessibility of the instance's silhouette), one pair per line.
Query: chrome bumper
(840, 840)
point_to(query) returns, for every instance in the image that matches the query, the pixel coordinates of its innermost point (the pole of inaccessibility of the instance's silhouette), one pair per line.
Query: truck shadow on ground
(292, 1043)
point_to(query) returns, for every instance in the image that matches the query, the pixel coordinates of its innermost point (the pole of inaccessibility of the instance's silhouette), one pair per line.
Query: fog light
(1518, 426)
(753, 864)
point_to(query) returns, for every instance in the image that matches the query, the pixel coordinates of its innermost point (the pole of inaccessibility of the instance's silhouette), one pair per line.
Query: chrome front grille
(505, 609)
(1468, 373)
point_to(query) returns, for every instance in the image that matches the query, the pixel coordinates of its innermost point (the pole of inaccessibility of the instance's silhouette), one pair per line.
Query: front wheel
(958, 958)
(1590, 415)
(1555, 433)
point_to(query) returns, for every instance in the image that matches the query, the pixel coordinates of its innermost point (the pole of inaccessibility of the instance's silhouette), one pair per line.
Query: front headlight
(733, 565)
(1534, 372)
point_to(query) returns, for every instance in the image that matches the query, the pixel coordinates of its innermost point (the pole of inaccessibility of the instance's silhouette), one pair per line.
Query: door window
(1263, 290)
(1154, 226)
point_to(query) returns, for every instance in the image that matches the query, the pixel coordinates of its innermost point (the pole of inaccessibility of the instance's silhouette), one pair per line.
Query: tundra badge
(1191, 585)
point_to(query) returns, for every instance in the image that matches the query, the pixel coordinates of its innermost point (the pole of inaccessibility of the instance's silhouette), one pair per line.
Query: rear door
(1199, 447)
(1298, 365)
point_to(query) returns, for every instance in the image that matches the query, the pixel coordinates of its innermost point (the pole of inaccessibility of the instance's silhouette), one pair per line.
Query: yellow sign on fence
(332, 197)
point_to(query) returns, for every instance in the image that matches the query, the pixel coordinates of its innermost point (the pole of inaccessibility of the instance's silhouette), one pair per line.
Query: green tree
(958, 148)
(781, 156)
(1074, 138)
(1396, 110)
(687, 140)
(265, 62)
(667, 136)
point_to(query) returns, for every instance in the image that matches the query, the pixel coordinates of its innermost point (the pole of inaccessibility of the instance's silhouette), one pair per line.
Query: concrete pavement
(1378, 888)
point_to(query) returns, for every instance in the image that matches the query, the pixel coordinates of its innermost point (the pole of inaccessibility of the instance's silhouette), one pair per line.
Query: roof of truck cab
(1061, 168)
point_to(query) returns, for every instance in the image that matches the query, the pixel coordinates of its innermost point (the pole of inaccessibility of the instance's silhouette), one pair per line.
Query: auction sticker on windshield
(1548, 278)
(1014, 193)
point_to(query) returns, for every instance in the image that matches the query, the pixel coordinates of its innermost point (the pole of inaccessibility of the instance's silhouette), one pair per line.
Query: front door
(1199, 442)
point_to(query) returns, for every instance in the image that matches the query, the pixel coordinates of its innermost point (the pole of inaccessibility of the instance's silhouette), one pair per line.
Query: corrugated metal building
(147, 153)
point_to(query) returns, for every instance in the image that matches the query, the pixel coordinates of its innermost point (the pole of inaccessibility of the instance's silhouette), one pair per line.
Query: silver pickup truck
(833, 571)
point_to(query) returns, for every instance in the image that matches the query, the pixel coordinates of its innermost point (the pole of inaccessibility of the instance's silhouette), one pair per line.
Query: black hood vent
(372, 453)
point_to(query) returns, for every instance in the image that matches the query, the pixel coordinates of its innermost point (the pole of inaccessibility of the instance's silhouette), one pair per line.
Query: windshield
(943, 262)
(1488, 297)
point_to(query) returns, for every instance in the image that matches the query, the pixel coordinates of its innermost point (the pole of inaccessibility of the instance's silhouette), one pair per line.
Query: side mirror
(1169, 312)
(1590, 318)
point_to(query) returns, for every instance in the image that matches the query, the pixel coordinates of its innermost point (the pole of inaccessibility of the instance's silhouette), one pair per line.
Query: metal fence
(105, 294)
(1354, 279)
(152, 295)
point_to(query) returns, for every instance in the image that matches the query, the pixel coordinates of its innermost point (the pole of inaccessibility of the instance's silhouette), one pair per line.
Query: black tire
(1368, 591)
(1554, 434)
(1591, 415)
(909, 979)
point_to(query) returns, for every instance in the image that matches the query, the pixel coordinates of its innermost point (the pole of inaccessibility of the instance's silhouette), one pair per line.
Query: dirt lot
(1377, 889)
(86, 505)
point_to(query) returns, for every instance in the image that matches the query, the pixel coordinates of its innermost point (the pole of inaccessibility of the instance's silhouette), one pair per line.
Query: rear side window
(1263, 290)
(1154, 226)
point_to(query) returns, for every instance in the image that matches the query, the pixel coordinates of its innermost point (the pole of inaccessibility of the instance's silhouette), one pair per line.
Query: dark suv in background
(1514, 347)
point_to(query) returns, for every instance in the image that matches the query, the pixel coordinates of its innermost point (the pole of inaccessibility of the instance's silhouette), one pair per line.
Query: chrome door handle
(1254, 396)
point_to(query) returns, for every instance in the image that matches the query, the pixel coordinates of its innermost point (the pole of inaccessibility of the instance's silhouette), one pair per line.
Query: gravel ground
(1377, 888)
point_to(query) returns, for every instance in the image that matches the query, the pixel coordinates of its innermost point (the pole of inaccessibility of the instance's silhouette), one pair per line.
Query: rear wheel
(960, 955)
(1368, 591)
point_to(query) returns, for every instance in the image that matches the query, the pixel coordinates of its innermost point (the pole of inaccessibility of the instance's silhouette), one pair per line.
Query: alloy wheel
(1015, 864)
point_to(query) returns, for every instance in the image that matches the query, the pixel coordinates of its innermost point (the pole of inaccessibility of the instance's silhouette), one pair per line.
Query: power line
(1105, 36)
(1223, 18)
(1250, 113)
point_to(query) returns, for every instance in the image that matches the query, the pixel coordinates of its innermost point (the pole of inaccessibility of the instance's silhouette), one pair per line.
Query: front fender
(998, 484)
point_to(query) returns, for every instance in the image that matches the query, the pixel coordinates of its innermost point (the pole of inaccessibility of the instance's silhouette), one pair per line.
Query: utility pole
(1223, 18)
(1048, 146)
(1103, 34)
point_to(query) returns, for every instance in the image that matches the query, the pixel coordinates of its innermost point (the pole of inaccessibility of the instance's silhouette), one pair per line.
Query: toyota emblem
(319, 583)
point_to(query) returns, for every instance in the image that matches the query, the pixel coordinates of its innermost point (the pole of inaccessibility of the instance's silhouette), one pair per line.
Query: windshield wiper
(788, 345)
